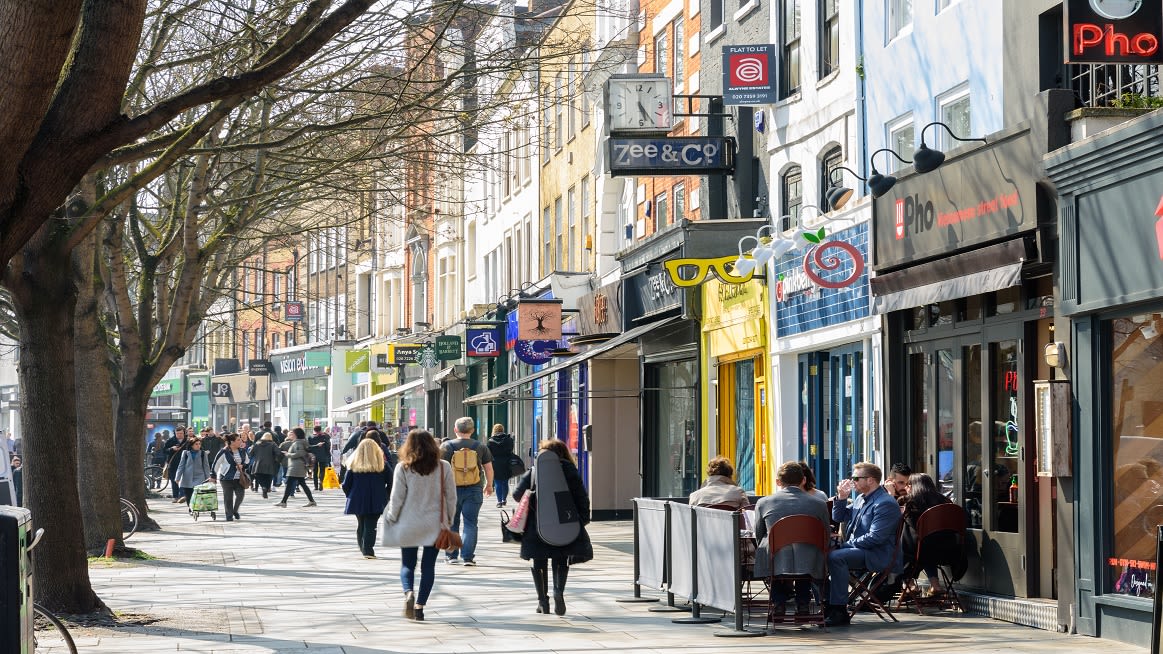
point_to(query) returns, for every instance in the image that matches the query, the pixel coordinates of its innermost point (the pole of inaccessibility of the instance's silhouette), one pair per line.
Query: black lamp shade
(879, 184)
(926, 160)
(837, 197)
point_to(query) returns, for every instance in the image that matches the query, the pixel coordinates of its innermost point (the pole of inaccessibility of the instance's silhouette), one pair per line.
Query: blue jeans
(427, 571)
(468, 505)
(840, 561)
(501, 488)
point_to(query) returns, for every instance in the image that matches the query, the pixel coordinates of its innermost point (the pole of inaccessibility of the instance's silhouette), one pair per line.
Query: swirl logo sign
(749, 70)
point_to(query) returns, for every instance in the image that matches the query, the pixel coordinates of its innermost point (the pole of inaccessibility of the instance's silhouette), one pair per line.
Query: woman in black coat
(501, 447)
(940, 548)
(540, 552)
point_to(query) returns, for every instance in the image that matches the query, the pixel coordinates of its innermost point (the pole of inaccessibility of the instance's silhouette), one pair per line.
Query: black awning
(989, 269)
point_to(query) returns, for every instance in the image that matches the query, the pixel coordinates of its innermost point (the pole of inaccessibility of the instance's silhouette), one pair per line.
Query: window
(571, 202)
(571, 91)
(559, 109)
(508, 170)
(790, 45)
(942, 5)
(586, 243)
(679, 202)
(831, 161)
(829, 36)
(679, 51)
(559, 230)
(547, 239)
(546, 132)
(275, 341)
(718, 10)
(902, 140)
(526, 154)
(1135, 343)
(792, 186)
(661, 61)
(660, 211)
(953, 110)
(276, 283)
(900, 16)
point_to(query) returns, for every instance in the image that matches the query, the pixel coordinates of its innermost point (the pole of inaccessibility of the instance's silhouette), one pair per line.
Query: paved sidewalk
(292, 580)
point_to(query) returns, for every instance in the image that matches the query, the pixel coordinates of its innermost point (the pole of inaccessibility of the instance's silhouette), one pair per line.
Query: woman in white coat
(422, 503)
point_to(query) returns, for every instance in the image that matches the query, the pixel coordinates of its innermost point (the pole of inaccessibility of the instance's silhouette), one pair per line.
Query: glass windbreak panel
(946, 395)
(971, 366)
(675, 406)
(919, 410)
(745, 424)
(1007, 300)
(1005, 445)
(1136, 357)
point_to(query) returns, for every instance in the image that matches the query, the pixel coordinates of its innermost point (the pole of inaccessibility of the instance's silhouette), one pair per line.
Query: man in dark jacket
(501, 447)
(320, 448)
(174, 447)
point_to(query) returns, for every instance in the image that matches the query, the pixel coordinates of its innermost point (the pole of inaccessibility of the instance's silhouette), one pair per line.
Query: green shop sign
(448, 348)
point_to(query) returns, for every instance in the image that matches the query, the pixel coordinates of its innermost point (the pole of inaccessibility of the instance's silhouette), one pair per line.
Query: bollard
(109, 548)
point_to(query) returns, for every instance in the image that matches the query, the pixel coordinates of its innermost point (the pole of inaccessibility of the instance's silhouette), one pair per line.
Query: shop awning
(370, 400)
(986, 270)
(505, 391)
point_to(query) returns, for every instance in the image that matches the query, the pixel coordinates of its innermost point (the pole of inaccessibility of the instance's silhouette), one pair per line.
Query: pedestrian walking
(468, 458)
(562, 500)
(229, 471)
(501, 447)
(296, 448)
(320, 447)
(423, 497)
(175, 445)
(366, 488)
(193, 470)
(264, 461)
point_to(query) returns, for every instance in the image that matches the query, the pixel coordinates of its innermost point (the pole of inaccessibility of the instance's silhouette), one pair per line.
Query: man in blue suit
(870, 534)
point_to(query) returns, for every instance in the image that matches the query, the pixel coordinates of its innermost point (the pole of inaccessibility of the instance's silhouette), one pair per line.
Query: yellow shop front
(736, 419)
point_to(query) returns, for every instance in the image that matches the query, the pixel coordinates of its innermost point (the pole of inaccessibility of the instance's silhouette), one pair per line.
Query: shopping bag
(520, 517)
(330, 479)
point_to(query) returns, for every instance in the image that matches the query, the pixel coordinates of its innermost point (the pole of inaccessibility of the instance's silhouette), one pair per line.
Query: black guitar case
(558, 522)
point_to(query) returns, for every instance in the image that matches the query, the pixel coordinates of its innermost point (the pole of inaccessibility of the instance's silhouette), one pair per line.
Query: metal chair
(796, 530)
(943, 518)
(865, 584)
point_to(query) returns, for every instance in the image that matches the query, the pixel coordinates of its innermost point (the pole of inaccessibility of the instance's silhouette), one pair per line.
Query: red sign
(749, 75)
(749, 70)
(1114, 31)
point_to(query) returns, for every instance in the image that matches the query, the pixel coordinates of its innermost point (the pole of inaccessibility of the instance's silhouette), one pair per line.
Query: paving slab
(292, 580)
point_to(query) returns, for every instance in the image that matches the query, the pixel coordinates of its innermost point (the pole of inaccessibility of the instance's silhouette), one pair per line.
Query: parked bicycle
(42, 615)
(155, 478)
(130, 518)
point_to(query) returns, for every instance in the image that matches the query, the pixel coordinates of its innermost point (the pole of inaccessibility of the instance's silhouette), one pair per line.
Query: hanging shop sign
(691, 155)
(400, 353)
(687, 272)
(258, 367)
(448, 348)
(539, 320)
(293, 311)
(357, 361)
(749, 75)
(1114, 31)
(482, 342)
(600, 312)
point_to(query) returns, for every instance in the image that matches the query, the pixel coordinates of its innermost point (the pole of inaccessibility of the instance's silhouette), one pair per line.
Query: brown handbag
(447, 540)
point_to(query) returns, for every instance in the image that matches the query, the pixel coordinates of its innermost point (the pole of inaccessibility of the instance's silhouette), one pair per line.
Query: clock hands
(645, 113)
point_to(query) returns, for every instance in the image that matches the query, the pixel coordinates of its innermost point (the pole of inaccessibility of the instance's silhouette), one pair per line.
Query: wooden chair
(787, 531)
(943, 518)
(865, 584)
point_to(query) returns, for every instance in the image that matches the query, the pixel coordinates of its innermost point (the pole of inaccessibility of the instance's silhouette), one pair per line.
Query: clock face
(642, 104)
(1115, 9)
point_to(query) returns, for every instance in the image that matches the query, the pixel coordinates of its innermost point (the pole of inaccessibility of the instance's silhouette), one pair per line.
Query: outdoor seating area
(697, 558)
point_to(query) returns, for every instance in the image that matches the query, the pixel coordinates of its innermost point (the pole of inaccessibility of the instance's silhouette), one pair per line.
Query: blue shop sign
(670, 155)
(802, 305)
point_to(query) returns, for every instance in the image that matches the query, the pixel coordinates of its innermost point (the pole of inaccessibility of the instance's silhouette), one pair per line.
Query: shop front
(825, 354)
(303, 375)
(964, 281)
(239, 398)
(1110, 281)
(737, 408)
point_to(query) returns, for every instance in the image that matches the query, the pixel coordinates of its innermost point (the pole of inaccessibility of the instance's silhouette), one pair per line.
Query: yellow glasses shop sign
(692, 272)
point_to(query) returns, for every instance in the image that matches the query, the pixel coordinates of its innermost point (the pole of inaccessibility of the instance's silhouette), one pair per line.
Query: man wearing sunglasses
(869, 534)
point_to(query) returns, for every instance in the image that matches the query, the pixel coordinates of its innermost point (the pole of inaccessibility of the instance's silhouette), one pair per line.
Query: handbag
(507, 535)
(447, 540)
(516, 466)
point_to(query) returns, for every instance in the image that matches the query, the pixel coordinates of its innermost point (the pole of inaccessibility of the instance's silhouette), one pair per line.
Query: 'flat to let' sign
(664, 156)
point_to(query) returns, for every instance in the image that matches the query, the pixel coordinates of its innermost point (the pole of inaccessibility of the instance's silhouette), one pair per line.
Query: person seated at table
(940, 547)
(796, 559)
(897, 483)
(870, 531)
(720, 487)
(810, 482)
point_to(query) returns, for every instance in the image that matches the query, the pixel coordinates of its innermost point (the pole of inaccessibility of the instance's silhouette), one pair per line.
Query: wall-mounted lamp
(926, 160)
(1055, 354)
(879, 184)
(745, 264)
(838, 195)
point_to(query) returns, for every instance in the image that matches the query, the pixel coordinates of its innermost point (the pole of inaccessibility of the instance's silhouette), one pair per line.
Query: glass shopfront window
(1136, 356)
(309, 400)
(413, 409)
(673, 411)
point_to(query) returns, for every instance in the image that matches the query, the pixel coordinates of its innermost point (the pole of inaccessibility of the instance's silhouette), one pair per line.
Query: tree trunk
(129, 431)
(46, 299)
(97, 473)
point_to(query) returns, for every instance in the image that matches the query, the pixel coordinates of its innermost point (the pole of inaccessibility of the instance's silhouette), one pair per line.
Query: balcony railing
(1117, 85)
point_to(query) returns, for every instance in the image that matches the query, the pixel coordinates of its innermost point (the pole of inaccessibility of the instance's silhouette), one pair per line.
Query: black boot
(541, 583)
(837, 616)
(560, 574)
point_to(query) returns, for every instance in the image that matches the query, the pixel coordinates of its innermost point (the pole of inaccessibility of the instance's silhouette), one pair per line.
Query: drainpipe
(861, 100)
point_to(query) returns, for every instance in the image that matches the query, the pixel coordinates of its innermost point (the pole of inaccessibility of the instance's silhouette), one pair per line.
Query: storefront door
(967, 422)
(832, 412)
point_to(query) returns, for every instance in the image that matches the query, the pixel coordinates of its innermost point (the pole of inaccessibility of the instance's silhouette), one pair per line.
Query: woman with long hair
(193, 470)
(367, 493)
(501, 447)
(923, 495)
(422, 503)
(535, 549)
(228, 468)
(265, 457)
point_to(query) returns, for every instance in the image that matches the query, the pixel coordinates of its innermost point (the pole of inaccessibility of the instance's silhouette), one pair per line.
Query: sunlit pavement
(293, 580)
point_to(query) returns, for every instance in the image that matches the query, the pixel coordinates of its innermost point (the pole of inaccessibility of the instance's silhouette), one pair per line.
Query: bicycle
(130, 518)
(155, 478)
(66, 637)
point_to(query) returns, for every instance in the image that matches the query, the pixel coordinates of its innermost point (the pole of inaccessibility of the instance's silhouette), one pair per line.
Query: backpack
(465, 469)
